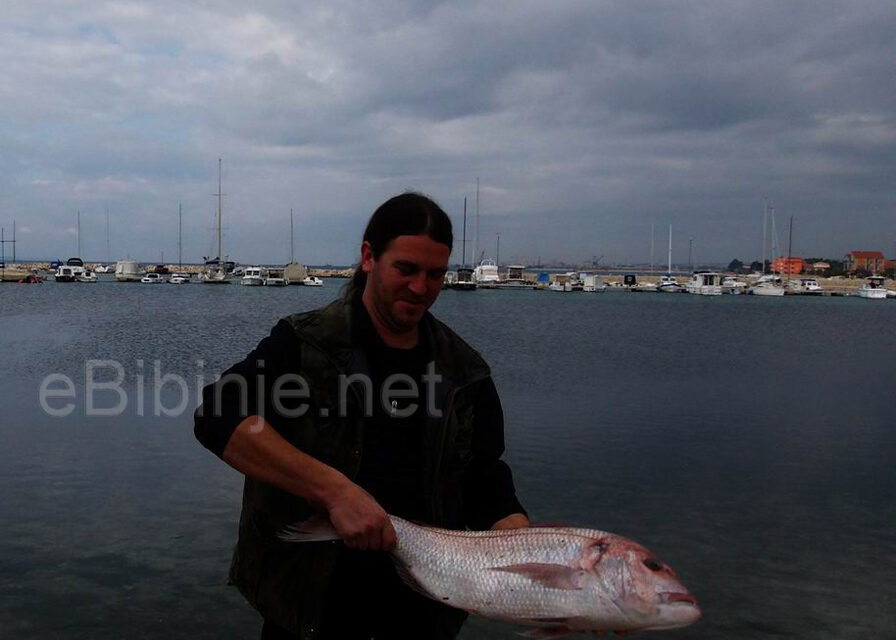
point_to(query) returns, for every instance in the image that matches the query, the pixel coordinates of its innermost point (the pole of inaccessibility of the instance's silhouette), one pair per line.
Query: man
(326, 415)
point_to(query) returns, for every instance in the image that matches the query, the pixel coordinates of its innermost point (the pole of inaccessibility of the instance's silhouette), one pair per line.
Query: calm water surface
(749, 442)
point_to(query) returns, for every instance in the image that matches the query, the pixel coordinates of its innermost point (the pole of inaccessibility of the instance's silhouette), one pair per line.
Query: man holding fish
(365, 408)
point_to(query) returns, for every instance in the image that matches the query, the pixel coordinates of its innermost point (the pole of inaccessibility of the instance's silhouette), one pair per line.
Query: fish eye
(652, 564)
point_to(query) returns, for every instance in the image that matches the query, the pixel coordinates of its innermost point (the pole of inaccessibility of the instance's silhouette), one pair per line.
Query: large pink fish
(560, 580)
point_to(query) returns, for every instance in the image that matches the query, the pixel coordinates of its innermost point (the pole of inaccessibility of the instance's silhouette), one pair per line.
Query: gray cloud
(588, 123)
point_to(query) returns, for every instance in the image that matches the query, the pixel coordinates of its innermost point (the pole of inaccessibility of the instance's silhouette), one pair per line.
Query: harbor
(486, 277)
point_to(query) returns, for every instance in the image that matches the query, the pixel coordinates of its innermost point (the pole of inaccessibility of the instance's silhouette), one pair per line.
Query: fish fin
(546, 632)
(317, 528)
(553, 576)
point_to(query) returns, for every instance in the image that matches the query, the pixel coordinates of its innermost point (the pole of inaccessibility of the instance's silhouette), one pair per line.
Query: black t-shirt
(391, 469)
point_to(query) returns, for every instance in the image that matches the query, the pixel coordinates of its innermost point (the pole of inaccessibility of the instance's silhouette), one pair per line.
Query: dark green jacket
(285, 582)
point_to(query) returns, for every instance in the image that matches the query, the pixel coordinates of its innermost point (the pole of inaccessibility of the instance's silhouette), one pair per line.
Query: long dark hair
(408, 214)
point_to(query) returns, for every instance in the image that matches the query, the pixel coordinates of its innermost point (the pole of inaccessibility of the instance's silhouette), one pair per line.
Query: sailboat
(768, 284)
(216, 271)
(464, 281)
(668, 283)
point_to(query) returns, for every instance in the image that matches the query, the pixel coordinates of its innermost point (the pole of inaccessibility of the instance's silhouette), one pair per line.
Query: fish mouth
(677, 597)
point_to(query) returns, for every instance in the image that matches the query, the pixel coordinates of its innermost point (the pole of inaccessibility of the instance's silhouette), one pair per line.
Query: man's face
(406, 279)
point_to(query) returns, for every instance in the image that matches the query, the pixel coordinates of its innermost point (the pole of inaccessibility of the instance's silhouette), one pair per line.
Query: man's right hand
(257, 450)
(359, 519)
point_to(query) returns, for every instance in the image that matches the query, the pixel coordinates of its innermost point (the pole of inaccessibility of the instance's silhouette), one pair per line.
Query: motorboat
(464, 280)
(102, 269)
(486, 274)
(312, 281)
(705, 283)
(179, 278)
(557, 285)
(873, 289)
(71, 271)
(668, 284)
(254, 277)
(562, 282)
(128, 271)
(593, 284)
(806, 287)
(88, 276)
(152, 278)
(275, 278)
(767, 285)
(733, 286)
(515, 279)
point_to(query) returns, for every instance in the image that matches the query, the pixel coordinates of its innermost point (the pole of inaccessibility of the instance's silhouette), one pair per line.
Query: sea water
(749, 442)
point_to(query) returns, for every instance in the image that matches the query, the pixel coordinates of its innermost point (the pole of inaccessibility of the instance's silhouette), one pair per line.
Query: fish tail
(317, 528)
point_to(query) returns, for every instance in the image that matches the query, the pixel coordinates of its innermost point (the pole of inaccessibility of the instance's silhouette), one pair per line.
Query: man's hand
(257, 450)
(359, 520)
(513, 521)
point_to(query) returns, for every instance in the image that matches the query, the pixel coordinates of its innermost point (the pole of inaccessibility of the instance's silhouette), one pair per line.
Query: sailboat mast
(670, 249)
(774, 237)
(764, 235)
(292, 249)
(651, 247)
(463, 251)
(476, 242)
(180, 234)
(79, 233)
(108, 252)
(220, 249)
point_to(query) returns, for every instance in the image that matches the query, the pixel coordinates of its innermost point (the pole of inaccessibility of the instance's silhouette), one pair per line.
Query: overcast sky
(587, 123)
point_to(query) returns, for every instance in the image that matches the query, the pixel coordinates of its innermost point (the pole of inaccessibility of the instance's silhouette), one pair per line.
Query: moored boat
(873, 289)
(253, 277)
(128, 271)
(705, 283)
(152, 278)
(71, 271)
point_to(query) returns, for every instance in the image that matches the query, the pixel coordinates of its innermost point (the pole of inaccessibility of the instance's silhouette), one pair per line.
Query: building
(870, 261)
(789, 266)
(821, 268)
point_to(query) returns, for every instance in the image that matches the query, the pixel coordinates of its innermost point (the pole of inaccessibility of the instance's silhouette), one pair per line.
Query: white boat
(873, 289)
(102, 269)
(668, 283)
(276, 278)
(128, 271)
(179, 278)
(593, 284)
(767, 285)
(486, 274)
(515, 279)
(806, 287)
(71, 271)
(88, 276)
(312, 281)
(464, 280)
(556, 285)
(254, 277)
(733, 286)
(218, 269)
(705, 283)
(152, 278)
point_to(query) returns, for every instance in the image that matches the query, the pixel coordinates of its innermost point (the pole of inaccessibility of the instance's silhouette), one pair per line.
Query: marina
(485, 276)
